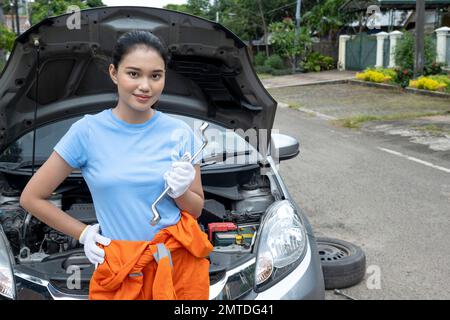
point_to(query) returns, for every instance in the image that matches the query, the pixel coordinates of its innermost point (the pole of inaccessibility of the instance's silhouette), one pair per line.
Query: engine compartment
(231, 217)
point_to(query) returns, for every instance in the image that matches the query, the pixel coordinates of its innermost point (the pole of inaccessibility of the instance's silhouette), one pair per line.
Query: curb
(308, 111)
(397, 88)
(308, 84)
(367, 84)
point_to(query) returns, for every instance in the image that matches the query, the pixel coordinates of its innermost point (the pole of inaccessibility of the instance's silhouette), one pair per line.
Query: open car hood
(210, 75)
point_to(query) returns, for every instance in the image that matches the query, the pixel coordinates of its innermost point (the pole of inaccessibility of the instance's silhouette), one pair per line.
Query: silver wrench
(156, 215)
(340, 293)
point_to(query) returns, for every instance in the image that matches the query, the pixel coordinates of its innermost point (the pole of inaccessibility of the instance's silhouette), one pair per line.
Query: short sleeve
(72, 147)
(191, 142)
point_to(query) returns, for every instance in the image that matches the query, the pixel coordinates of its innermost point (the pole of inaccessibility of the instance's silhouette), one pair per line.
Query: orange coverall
(171, 266)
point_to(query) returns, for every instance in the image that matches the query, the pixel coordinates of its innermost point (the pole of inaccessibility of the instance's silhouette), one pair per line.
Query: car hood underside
(63, 72)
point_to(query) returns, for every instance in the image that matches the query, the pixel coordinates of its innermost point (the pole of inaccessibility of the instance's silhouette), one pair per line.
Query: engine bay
(231, 216)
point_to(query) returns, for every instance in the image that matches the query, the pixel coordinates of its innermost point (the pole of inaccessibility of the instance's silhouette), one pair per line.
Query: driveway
(383, 185)
(355, 186)
(420, 119)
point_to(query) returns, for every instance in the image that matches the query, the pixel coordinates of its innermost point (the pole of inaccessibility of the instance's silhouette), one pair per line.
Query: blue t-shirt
(123, 165)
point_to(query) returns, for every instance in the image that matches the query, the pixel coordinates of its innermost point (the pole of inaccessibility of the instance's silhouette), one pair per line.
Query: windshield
(224, 146)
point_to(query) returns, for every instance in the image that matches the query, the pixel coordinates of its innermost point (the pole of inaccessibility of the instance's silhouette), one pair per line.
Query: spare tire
(343, 263)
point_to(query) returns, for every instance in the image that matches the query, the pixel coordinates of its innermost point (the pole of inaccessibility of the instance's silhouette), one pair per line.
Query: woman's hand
(179, 178)
(89, 238)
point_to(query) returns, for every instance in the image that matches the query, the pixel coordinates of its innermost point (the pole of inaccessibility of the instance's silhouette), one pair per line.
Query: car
(264, 246)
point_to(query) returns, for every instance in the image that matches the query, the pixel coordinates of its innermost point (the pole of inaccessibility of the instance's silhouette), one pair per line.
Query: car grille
(61, 285)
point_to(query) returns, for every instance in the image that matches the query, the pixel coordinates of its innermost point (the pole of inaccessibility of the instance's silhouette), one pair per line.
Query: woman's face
(140, 78)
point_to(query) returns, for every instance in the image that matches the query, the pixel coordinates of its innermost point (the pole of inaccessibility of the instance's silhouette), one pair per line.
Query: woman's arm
(192, 200)
(35, 196)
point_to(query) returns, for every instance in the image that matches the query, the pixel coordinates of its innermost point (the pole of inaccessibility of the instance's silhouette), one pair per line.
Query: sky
(142, 3)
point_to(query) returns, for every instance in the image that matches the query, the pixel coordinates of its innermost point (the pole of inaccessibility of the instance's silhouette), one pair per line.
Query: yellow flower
(427, 84)
(360, 76)
(373, 76)
(413, 83)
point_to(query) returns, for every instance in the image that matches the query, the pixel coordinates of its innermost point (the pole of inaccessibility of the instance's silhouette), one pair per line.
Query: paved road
(360, 186)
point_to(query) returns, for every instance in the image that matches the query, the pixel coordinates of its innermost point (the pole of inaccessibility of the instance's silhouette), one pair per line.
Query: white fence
(442, 47)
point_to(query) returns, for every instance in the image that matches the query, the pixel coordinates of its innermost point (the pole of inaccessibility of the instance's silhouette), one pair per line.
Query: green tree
(249, 18)
(177, 7)
(243, 17)
(289, 45)
(404, 51)
(326, 18)
(2, 23)
(200, 8)
(7, 38)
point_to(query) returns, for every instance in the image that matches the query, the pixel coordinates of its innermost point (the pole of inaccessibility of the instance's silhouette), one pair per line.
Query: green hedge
(260, 59)
(263, 69)
(316, 62)
(404, 51)
(274, 72)
(274, 62)
(281, 72)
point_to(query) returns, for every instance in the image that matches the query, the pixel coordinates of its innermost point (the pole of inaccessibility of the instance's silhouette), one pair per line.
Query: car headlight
(282, 242)
(7, 283)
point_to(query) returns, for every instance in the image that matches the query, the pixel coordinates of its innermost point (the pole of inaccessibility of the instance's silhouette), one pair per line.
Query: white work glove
(179, 178)
(89, 237)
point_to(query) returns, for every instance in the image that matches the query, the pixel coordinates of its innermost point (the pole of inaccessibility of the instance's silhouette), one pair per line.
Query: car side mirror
(283, 147)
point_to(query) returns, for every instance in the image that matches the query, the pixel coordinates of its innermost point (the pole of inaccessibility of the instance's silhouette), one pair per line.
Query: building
(24, 22)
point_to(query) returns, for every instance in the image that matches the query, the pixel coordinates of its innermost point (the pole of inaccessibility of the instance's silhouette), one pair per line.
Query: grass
(295, 105)
(432, 128)
(356, 121)
(263, 76)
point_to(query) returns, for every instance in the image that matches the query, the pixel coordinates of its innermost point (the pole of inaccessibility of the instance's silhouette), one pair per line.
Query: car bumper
(305, 282)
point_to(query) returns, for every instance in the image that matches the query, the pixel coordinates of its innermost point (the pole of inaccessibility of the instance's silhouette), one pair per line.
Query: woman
(127, 155)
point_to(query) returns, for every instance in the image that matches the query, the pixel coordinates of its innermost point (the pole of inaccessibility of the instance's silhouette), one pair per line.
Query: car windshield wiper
(12, 166)
(21, 165)
(223, 156)
(28, 164)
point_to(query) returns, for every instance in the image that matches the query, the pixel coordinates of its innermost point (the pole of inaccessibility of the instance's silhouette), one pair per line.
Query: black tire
(343, 263)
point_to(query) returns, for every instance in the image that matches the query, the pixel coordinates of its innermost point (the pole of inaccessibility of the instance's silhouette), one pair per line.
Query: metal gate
(361, 52)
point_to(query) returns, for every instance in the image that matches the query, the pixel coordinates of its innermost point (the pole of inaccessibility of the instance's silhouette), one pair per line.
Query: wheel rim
(332, 252)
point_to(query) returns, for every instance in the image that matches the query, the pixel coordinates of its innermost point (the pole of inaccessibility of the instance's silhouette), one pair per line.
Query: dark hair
(130, 40)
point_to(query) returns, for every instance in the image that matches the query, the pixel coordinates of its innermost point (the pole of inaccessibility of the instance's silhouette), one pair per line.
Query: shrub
(263, 69)
(281, 72)
(442, 78)
(7, 38)
(432, 83)
(403, 76)
(404, 51)
(317, 62)
(274, 62)
(388, 72)
(376, 75)
(260, 58)
(433, 68)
